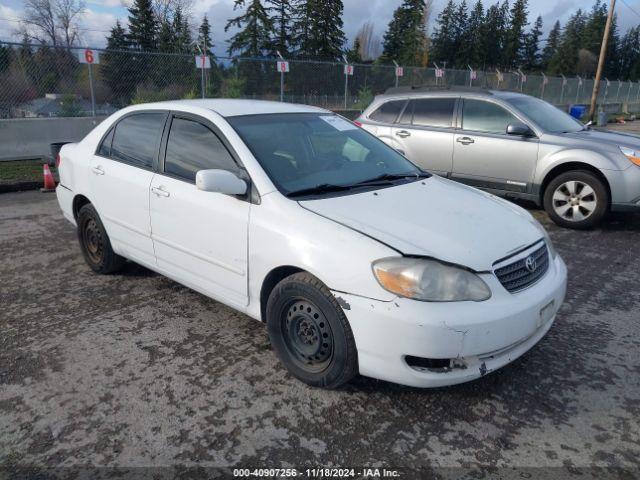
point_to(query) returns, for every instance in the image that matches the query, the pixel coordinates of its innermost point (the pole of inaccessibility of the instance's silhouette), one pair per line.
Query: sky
(101, 15)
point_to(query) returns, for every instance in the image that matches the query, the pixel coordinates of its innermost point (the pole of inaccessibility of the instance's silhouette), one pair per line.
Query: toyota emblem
(531, 264)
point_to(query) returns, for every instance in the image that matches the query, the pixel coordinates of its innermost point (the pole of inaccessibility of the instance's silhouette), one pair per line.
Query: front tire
(310, 333)
(577, 199)
(95, 243)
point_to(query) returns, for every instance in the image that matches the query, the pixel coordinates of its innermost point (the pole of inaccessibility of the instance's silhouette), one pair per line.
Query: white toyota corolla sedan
(357, 260)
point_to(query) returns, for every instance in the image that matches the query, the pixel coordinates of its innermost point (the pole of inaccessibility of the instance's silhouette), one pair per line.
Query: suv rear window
(430, 112)
(388, 112)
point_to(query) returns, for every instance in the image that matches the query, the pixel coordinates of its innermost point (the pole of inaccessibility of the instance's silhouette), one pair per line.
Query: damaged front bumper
(452, 342)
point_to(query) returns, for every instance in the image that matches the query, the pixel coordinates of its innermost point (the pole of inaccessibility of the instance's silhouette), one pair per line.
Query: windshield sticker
(338, 123)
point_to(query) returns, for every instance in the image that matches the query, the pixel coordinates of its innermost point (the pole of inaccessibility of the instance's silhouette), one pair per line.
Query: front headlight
(631, 154)
(429, 280)
(547, 238)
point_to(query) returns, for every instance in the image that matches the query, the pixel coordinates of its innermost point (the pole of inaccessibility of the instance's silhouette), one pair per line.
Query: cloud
(95, 28)
(9, 26)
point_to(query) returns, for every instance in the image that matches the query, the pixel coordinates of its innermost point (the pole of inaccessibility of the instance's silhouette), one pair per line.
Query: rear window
(429, 112)
(388, 112)
(136, 138)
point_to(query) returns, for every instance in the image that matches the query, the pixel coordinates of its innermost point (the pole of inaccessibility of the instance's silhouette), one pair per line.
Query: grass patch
(22, 171)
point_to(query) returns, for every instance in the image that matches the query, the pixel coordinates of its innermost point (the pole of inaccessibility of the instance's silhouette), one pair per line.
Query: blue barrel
(577, 111)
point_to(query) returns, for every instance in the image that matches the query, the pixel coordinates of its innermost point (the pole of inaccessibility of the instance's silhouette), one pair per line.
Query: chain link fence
(45, 81)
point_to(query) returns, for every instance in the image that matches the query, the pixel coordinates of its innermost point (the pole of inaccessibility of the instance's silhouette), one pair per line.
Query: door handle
(98, 170)
(403, 134)
(465, 140)
(160, 191)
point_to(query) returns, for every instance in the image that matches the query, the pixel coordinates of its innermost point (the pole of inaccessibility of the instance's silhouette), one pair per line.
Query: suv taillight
(58, 159)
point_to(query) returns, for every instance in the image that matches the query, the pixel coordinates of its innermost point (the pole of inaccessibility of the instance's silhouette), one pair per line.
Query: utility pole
(603, 54)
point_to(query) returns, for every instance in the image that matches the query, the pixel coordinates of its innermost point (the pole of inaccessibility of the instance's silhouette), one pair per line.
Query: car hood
(613, 139)
(435, 218)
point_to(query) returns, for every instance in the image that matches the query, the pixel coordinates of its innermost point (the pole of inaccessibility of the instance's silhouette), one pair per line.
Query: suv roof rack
(425, 88)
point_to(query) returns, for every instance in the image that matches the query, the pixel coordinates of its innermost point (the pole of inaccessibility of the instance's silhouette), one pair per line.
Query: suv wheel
(310, 333)
(95, 243)
(576, 199)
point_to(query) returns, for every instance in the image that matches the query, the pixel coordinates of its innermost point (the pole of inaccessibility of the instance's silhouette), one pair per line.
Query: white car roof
(234, 108)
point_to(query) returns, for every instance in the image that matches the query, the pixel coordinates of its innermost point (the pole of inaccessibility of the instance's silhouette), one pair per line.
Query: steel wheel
(93, 241)
(307, 335)
(574, 201)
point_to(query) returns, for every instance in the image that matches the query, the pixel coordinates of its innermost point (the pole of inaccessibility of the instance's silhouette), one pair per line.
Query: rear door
(381, 120)
(121, 173)
(425, 133)
(485, 156)
(200, 238)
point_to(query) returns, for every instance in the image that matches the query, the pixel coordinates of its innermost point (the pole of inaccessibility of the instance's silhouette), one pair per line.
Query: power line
(17, 20)
(630, 8)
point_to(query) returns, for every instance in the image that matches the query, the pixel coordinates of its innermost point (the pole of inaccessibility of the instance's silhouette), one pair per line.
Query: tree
(461, 43)
(514, 45)
(473, 52)
(443, 38)
(551, 48)
(494, 33)
(531, 49)
(405, 39)
(630, 54)
(204, 36)
(282, 17)
(143, 27)
(53, 22)
(116, 65)
(353, 55)
(182, 32)
(566, 57)
(254, 38)
(318, 30)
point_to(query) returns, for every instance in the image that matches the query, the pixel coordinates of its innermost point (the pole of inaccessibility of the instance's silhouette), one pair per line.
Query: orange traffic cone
(49, 182)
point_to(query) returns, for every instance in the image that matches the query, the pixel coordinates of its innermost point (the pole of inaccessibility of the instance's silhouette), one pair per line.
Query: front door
(200, 238)
(425, 133)
(121, 173)
(485, 156)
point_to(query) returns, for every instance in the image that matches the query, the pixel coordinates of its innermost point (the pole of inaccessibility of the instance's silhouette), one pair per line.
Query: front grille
(517, 276)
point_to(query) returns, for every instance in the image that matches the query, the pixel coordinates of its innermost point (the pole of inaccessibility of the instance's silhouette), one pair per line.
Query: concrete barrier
(27, 138)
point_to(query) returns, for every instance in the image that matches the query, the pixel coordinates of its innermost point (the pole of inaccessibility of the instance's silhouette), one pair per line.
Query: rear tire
(95, 243)
(310, 333)
(576, 199)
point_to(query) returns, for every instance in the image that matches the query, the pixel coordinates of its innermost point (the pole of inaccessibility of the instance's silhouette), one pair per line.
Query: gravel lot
(135, 370)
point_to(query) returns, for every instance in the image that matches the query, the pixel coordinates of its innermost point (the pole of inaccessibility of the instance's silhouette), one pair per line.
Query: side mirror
(220, 181)
(520, 129)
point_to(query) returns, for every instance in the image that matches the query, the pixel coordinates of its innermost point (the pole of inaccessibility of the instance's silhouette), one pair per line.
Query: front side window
(546, 115)
(388, 112)
(136, 138)
(306, 150)
(192, 147)
(481, 116)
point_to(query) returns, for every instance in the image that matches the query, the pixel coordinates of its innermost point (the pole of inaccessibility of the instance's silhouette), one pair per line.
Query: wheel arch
(79, 201)
(269, 282)
(568, 167)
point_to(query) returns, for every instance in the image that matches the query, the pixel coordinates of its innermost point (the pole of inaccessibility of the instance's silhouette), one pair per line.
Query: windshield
(319, 153)
(546, 115)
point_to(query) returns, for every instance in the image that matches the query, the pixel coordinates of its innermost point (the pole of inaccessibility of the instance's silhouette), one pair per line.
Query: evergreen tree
(612, 60)
(143, 28)
(282, 17)
(318, 30)
(594, 27)
(461, 43)
(566, 57)
(494, 32)
(353, 55)
(117, 67)
(204, 36)
(181, 32)
(254, 38)
(551, 48)
(5, 58)
(531, 50)
(443, 38)
(473, 54)
(514, 45)
(629, 54)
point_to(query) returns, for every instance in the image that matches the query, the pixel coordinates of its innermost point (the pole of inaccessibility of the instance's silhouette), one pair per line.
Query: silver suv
(513, 145)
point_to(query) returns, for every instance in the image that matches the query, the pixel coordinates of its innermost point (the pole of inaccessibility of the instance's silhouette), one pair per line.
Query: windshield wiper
(389, 177)
(322, 188)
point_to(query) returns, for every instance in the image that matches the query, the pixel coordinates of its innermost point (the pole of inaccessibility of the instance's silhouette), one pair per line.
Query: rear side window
(388, 112)
(136, 138)
(193, 147)
(430, 112)
(481, 116)
(105, 146)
